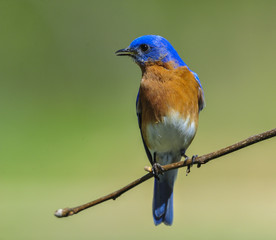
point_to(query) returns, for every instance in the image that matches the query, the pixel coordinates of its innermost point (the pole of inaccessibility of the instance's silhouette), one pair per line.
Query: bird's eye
(144, 47)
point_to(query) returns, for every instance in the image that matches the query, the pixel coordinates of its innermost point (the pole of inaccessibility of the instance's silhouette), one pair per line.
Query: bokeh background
(69, 133)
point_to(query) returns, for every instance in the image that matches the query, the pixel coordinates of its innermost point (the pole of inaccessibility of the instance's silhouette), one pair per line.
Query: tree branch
(65, 212)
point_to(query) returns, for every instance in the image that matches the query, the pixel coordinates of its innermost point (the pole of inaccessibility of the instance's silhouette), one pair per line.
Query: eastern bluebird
(168, 105)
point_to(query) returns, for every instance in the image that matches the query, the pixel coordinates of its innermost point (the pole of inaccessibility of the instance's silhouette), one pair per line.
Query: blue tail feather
(162, 208)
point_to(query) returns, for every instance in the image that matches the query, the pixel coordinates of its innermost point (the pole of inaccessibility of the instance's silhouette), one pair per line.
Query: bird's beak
(124, 52)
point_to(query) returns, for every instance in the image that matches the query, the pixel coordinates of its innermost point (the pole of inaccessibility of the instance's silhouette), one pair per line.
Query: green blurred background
(69, 132)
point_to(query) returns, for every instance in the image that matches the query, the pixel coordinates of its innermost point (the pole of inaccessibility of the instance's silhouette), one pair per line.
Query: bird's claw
(190, 165)
(157, 169)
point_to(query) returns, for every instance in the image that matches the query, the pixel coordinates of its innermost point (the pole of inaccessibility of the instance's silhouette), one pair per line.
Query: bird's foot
(190, 165)
(156, 170)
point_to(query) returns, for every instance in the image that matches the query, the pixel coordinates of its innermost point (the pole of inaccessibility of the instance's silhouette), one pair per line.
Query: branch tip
(59, 213)
(148, 169)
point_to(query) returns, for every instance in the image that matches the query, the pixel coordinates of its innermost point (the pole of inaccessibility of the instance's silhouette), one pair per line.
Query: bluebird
(168, 105)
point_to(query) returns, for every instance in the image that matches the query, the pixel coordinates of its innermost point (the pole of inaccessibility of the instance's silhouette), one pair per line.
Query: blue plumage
(162, 205)
(160, 50)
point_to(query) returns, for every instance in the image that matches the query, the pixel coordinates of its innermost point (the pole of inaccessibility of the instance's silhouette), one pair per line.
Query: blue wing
(201, 99)
(139, 116)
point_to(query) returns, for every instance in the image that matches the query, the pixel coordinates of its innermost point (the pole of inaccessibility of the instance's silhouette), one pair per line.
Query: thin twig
(65, 212)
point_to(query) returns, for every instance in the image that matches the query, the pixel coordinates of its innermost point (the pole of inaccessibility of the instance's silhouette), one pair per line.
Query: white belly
(172, 134)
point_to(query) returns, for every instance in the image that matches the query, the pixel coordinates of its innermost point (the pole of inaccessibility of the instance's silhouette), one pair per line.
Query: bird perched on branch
(168, 105)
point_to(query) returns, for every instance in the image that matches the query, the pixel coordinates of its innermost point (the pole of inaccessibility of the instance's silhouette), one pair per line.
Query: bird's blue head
(150, 49)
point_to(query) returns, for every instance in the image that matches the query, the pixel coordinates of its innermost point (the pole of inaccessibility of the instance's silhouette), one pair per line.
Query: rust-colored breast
(164, 89)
